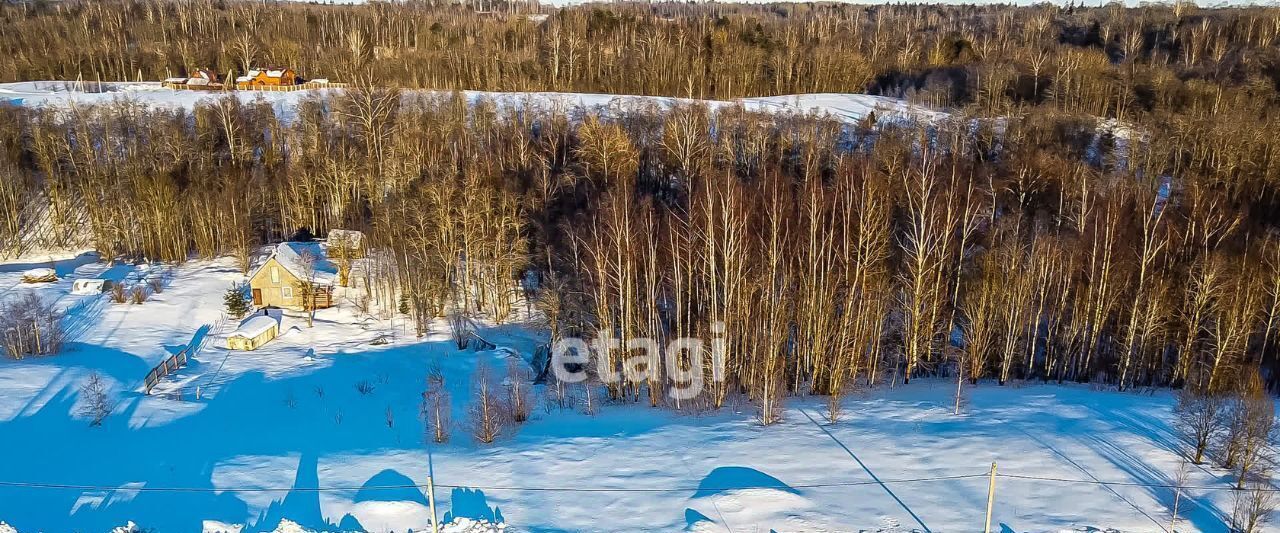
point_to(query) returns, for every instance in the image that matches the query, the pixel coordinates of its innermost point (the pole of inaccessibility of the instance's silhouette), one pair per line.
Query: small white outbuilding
(89, 286)
(253, 333)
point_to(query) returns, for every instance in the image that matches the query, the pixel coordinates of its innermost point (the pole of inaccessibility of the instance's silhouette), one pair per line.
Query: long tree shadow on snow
(301, 505)
(180, 453)
(1199, 511)
(157, 442)
(473, 504)
(82, 458)
(1202, 512)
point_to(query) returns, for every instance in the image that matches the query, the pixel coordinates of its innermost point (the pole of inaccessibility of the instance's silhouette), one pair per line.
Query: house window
(275, 275)
(286, 293)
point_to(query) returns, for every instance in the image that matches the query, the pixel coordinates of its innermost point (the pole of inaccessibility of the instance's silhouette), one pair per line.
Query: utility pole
(435, 523)
(991, 496)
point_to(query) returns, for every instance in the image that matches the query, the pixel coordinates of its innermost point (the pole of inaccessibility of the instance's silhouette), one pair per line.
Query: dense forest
(1099, 207)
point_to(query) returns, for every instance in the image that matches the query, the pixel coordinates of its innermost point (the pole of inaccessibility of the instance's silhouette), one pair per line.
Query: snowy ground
(282, 438)
(847, 107)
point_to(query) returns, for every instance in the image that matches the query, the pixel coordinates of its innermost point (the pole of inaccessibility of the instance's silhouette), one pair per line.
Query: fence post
(431, 498)
(991, 497)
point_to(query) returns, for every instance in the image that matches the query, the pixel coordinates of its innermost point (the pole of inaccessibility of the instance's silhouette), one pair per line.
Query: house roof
(255, 326)
(290, 256)
(271, 72)
(349, 237)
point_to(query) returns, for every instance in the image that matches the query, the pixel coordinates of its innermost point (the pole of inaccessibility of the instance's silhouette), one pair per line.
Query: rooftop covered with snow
(304, 260)
(254, 326)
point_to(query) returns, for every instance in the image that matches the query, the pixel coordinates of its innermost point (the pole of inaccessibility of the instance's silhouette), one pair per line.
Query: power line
(72, 486)
(1125, 483)
(39, 485)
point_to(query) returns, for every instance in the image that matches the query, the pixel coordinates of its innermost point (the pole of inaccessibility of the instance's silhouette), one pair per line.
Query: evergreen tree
(404, 303)
(237, 304)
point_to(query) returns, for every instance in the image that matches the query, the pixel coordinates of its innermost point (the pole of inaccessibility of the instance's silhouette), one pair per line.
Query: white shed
(253, 333)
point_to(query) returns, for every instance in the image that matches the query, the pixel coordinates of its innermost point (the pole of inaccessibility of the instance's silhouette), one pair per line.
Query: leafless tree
(95, 400)
(1253, 506)
(1200, 419)
(1250, 428)
(486, 408)
(436, 407)
(29, 326)
(306, 285)
(519, 404)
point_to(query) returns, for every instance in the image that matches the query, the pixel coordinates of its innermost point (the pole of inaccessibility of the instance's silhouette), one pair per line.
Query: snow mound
(128, 527)
(6, 528)
(289, 526)
(40, 275)
(214, 526)
(468, 525)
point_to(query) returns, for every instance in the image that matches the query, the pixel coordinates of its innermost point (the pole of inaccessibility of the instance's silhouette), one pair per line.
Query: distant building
(346, 239)
(200, 79)
(278, 281)
(254, 332)
(268, 77)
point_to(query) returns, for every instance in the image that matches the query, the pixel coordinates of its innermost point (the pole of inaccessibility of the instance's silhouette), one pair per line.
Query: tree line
(1098, 208)
(827, 255)
(1106, 61)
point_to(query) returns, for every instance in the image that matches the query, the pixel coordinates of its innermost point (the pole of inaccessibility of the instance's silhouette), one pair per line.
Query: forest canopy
(1099, 207)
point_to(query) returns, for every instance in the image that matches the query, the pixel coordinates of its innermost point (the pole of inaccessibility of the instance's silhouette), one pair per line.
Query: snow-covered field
(847, 107)
(284, 438)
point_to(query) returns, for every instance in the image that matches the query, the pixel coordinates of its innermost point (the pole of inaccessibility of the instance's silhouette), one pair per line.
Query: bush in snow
(95, 404)
(486, 409)
(461, 329)
(30, 326)
(139, 294)
(118, 293)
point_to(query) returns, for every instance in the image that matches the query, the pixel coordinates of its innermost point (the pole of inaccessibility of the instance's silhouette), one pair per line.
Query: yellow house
(253, 333)
(278, 281)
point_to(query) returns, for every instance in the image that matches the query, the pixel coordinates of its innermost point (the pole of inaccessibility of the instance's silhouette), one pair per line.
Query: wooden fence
(166, 367)
(290, 88)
